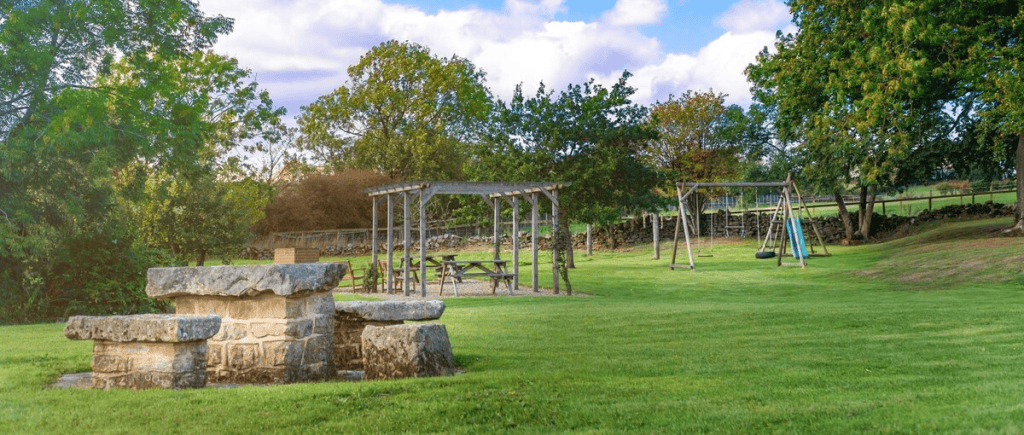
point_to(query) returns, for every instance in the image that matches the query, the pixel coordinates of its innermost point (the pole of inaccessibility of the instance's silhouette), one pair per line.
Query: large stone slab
(238, 281)
(152, 328)
(392, 310)
(402, 351)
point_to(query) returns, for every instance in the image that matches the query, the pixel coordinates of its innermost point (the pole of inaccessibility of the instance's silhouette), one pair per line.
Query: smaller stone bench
(351, 318)
(146, 350)
(404, 351)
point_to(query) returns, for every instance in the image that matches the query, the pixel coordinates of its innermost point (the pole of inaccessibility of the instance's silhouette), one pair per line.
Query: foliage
(49, 46)
(198, 217)
(93, 92)
(699, 137)
(589, 135)
(185, 195)
(405, 113)
(323, 202)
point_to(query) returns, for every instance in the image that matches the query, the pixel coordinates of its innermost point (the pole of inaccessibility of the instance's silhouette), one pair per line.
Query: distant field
(918, 335)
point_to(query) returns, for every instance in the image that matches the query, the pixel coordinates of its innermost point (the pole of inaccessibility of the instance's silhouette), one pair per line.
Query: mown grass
(738, 346)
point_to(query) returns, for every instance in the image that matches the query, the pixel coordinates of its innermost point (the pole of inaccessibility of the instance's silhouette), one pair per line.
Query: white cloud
(302, 48)
(755, 15)
(636, 12)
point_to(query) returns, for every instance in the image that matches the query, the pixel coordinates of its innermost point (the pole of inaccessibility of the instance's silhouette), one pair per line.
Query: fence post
(929, 199)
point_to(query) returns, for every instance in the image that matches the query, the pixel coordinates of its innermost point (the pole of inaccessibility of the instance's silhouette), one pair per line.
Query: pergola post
(406, 235)
(554, 237)
(423, 244)
(534, 218)
(391, 245)
(497, 228)
(373, 241)
(515, 241)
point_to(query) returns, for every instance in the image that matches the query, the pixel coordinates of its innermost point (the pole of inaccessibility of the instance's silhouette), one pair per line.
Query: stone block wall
(140, 365)
(146, 350)
(348, 333)
(268, 338)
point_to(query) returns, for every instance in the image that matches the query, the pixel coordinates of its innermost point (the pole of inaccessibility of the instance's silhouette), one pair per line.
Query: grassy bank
(877, 338)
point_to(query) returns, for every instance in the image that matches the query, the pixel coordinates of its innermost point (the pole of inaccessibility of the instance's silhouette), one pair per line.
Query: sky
(300, 49)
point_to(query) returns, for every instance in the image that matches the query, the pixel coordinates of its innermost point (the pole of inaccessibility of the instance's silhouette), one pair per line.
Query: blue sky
(300, 49)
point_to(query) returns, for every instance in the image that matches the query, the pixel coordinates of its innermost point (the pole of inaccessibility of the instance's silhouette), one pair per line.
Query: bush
(97, 272)
(323, 202)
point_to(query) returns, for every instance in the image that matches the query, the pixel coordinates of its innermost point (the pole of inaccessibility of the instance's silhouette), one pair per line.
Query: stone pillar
(277, 320)
(146, 351)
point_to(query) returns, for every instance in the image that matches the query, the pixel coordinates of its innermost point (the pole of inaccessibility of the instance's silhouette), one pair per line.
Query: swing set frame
(784, 207)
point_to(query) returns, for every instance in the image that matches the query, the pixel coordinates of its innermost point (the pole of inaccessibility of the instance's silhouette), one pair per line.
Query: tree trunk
(867, 211)
(202, 257)
(844, 214)
(1019, 165)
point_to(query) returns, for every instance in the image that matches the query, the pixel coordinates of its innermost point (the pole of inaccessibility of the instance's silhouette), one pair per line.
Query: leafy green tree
(589, 135)
(861, 87)
(200, 216)
(86, 92)
(405, 113)
(196, 109)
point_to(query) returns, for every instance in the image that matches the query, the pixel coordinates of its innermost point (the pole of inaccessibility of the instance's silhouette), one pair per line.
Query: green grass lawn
(919, 335)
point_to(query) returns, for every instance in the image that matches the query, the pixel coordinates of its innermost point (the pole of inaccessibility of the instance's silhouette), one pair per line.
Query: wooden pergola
(491, 192)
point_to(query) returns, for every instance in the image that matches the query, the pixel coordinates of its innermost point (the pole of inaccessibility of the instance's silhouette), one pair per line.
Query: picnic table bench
(495, 270)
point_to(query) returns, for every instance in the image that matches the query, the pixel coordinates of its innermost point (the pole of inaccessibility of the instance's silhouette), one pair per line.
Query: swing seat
(764, 254)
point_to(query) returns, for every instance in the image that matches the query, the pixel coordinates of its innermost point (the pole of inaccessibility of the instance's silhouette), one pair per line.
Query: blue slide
(796, 238)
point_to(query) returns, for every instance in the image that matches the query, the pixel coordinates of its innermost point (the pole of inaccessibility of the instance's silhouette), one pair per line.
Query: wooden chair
(382, 269)
(355, 275)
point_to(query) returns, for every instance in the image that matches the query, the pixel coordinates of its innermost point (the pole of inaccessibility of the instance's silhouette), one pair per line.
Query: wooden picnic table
(495, 270)
(431, 260)
(435, 261)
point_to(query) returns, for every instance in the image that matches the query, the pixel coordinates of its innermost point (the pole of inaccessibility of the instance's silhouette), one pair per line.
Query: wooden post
(515, 241)
(656, 223)
(590, 241)
(406, 235)
(391, 245)
(534, 221)
(554, 230)
(373, 241)
(423, 245)
(929, 200)
(497, 228)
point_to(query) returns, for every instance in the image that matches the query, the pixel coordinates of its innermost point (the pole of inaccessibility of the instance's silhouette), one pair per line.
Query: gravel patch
(467, 288)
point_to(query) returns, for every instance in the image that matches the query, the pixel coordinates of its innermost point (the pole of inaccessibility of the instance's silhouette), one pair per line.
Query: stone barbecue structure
(277, 320)
(404, 351)
(147, 350)
(351, 318)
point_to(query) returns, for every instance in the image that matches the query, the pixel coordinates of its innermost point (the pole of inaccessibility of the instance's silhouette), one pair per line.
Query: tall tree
(862, 86)
(589, 135)
(405, 113)
(191, 112)
(57, 155)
